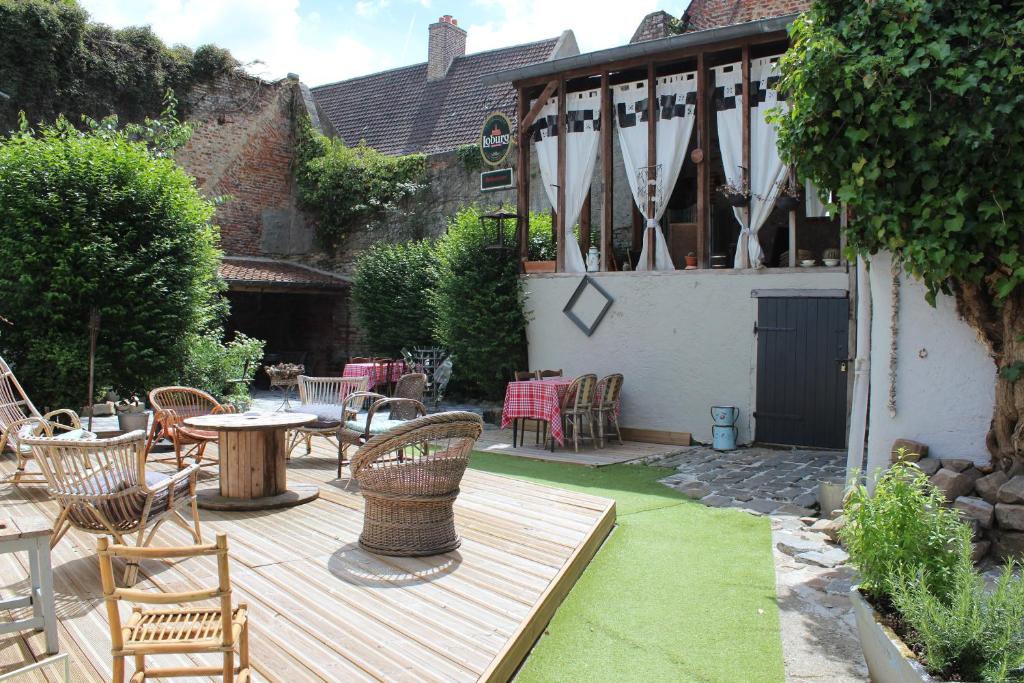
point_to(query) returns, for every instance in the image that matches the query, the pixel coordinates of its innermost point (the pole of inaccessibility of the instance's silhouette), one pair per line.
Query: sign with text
(495, 138)
(500, 179)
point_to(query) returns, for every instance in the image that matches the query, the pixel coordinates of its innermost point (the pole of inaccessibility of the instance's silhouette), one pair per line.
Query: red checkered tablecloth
(378, 373)
(540, 399)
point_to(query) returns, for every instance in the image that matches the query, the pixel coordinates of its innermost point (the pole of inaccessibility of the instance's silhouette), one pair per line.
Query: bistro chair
(577, 408)
(412, 386)
(323, 397)
(604, 407)
(216, 629)
(171, 407)
(358, 428)
(519, 423)
(19, 419)
(102, 487)
(409, 478)
(542, 374)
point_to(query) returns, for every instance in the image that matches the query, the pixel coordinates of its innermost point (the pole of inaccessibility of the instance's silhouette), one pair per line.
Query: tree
(99, 220)
(912, 113)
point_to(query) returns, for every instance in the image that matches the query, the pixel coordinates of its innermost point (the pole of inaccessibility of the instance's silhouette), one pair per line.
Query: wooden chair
(323, 397)
(577, 407)
(171, 407)
(358, 429)
(604, 407)
(19, 419)
(519, 423)
(409, 477)
(103, 488)
(165, 631)
(548, 373)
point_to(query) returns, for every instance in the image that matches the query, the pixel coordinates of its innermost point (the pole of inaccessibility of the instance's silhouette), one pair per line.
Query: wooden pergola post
(607, 173)
(652, 159)
(523, 180)
(560, 209)
(703, 168)
(745, 114)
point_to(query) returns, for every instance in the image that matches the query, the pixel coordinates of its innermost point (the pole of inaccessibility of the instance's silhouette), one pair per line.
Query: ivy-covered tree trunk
(1002, 329)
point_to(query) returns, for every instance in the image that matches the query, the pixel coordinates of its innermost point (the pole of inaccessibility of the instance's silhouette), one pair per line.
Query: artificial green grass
(679, 592)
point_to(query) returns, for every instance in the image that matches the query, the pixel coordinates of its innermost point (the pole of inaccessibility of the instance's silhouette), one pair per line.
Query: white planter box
(888, 659)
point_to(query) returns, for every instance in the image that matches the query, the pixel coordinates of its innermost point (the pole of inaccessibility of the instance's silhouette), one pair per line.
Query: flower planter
(737, 200)
(889, 660)
(787, 203)
(129, 422)
(538, 266)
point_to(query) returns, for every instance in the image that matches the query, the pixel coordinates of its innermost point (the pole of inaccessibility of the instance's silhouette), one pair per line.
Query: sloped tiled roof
(705, 14)
(400, 112)
(276, 274)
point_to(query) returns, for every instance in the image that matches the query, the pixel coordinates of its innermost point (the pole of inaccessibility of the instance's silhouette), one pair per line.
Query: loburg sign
(496, 138)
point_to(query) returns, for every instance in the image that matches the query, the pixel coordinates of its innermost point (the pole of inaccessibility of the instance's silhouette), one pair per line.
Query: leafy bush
(478, 303)
(97, 221)
(541, 243)
(212, 365)
(343, 185)
(973, 633)
(903, 530)
(391, 295)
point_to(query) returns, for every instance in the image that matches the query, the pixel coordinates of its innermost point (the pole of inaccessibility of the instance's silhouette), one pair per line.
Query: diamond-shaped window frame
(587, 281)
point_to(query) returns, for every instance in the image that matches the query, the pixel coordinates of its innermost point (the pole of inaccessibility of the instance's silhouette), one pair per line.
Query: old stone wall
(705, 14)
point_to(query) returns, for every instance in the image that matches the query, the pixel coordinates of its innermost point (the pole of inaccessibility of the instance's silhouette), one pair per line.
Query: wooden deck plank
(323, 609)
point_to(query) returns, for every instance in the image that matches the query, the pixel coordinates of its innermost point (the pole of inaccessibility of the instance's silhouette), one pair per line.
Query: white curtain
(677, 99)
(815, 208)
(767, 172)
(583, 111)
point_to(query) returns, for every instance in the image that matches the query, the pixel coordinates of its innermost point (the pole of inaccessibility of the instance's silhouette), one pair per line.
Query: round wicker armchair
(409, 478)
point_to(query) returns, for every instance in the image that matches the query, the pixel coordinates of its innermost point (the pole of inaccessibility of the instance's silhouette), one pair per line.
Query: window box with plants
(736, 195)
(923, 611)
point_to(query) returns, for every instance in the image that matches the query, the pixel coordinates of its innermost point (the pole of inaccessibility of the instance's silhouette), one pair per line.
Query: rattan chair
(409, 478)
(359, 428)
(411, 385)
(102, 487)
(577, 408)
(165, 631)
(325, 398)
(19, 419)
(171, 407)
(604, 407)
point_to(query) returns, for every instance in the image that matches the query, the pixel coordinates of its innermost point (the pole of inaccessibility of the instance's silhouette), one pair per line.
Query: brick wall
(705, 14)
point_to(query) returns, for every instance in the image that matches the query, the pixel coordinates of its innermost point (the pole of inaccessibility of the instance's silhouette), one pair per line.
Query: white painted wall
(683, 340)
(945, 383)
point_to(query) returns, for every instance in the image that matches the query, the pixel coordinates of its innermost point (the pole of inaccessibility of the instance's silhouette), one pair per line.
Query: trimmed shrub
(97, 221)
(391, 295)
(212, 365)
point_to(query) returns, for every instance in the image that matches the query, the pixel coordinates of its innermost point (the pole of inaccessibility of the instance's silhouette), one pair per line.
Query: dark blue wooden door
(802, 371)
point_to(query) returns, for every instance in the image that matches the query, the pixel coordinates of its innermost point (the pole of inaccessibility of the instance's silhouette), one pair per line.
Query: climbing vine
(345, 185)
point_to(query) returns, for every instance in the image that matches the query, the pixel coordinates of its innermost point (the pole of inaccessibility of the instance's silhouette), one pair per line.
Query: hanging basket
(737, 200)
(787, 203)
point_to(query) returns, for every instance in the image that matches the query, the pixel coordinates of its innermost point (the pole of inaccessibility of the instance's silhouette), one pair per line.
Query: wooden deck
(321, 609)
(500, 441)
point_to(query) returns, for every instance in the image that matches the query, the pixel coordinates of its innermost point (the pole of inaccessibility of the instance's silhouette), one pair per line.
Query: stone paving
(764, 480)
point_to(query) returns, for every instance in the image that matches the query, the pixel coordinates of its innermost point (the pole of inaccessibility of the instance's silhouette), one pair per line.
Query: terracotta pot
(538, 266)
(691, 261)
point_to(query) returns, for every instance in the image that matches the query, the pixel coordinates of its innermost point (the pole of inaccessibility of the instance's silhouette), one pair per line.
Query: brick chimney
(447, 41)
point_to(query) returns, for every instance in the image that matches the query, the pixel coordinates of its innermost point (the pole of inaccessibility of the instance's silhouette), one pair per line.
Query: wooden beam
(703, 168)
(607, 174)
(638, 228)
(560, 237)
(585, 225)
(526, 120)
(745, 115)
(652, 158)
(523, 180)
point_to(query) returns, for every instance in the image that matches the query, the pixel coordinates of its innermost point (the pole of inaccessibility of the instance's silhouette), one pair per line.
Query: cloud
(368, 8)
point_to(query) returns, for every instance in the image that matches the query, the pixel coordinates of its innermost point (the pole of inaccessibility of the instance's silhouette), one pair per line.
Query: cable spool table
(252, 451)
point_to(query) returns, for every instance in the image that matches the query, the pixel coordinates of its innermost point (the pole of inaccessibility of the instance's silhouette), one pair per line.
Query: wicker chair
(359, 428)
(409, 478)
(19, 419)
(411, 385)
(577, 408)
(604, 406)
(171, 407)
(323, 397)
(162, 631)
(103, 488)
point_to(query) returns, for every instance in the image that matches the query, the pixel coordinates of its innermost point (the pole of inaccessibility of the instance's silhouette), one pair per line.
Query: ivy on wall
(54, 61)
(346, 185)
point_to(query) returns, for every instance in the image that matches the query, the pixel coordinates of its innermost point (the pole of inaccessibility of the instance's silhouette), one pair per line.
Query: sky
(325, 41)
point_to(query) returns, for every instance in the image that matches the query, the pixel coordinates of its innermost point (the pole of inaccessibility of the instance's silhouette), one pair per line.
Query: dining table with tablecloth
(541, 399)
(380, 372)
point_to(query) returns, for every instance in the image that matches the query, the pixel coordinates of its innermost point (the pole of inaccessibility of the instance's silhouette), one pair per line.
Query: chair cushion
(327, 415)
(379, 425)
(70, 435)
(125, 512)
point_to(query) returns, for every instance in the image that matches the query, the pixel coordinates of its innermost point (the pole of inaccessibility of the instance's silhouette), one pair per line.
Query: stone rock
(808, 521)
(952, 484)
(806, 500)
(795, 545)
(956, 464)
(824, 558)
(1012, 492)
(979, 550)
(976, 509)
(830, 527)
(973, 474)
(986, 469)
(913, 450)
(1010, 516)
(929, 465)
(988, 486)
(1007, 545)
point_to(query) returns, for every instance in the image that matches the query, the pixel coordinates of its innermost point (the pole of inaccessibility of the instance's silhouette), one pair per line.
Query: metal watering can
(724, 431)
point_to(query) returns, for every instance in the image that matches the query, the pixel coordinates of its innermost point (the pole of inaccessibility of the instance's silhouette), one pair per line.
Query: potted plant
(538, 266)
(923, 612)
(830, 257)
(788, 198)
(736, 195)
(131, 414)
(691, 260)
